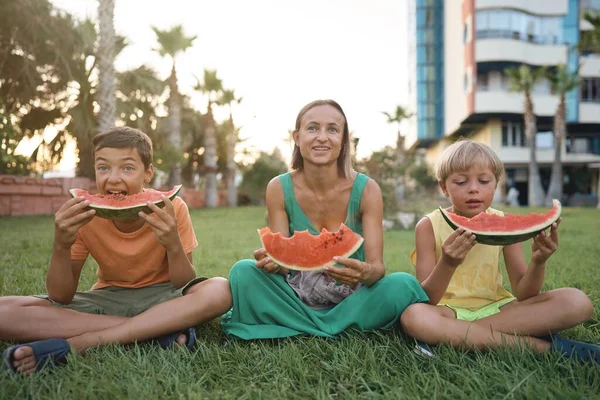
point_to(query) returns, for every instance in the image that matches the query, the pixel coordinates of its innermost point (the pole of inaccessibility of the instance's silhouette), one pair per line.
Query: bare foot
(181, 340)
(24, 360)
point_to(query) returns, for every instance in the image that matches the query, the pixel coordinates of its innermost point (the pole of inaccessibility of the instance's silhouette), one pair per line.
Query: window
(465, 33)
(544, 140)
(518, 25)
(590, 90)
(513, 134)
(483, 82)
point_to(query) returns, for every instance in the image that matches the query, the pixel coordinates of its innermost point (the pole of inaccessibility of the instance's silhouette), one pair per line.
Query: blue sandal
(423, 349)
(580, 351)
(49, 352)
(169, 340)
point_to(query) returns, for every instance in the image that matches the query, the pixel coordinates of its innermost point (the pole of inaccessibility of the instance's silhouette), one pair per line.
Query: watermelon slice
(499, 230)
(306, 252)
(121, 207)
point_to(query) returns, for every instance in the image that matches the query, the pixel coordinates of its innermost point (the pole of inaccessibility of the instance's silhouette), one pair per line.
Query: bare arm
(165, 226)
(278, 222)
(372, 269)
(63, 276)
(527, 281)
(435, 276)
(63, 273)
(372, 218)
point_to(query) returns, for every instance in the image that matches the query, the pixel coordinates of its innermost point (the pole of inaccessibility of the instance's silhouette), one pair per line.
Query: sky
(278, 56)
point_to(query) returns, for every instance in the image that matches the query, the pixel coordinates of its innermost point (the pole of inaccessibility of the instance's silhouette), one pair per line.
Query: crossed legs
(28, 318)
(518, 323)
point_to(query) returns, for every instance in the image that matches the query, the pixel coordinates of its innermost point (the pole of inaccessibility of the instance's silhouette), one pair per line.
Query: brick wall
(38, 196)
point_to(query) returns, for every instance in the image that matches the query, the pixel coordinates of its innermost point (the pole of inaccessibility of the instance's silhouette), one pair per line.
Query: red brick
(5, 205)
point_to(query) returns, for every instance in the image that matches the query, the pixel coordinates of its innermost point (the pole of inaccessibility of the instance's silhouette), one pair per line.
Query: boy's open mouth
(117, 192)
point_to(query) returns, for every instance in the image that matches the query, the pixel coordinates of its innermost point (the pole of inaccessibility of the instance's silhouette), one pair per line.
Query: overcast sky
(279, 55)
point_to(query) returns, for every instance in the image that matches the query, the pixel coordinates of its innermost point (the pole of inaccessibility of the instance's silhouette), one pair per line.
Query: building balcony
(589, 112)
(520, 156)
(590, 66)
(518, 51)
(536, 7)
(499, 102)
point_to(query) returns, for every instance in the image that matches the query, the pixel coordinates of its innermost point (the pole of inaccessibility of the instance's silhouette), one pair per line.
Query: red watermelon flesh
(305, 252)
(504, 230)
(124, 207)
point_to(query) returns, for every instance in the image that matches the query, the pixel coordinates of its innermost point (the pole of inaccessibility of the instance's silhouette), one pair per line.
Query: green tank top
(298, 221)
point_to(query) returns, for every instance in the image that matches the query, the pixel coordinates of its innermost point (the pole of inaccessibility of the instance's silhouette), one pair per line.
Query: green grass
(366, 365)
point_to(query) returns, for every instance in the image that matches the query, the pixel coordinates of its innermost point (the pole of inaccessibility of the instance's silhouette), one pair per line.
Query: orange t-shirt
(130, 260)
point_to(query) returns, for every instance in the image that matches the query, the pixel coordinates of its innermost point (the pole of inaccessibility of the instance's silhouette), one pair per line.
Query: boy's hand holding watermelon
(163, 222)
(68, 219)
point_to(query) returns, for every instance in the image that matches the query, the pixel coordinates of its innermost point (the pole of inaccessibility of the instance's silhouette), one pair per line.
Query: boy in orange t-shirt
(147, 286)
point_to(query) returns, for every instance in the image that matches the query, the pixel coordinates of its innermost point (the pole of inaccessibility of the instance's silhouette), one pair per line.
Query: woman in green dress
(322, 191)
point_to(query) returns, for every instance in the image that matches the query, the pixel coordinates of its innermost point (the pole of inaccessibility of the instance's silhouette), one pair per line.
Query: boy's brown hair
(465, 153)
(125, 137)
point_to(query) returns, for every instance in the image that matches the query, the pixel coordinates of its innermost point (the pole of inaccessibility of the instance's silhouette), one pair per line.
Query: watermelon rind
(129, 212)
(348, 253)
(505, 238)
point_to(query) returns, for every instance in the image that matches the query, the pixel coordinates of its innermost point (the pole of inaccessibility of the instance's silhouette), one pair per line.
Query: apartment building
(458, 51)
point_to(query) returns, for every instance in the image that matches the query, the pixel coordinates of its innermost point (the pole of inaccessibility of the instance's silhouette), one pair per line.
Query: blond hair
(344, 161)
(464, 154)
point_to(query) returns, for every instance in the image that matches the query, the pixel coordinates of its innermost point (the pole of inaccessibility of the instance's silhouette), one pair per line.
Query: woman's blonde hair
(344, 161)
(464, 154)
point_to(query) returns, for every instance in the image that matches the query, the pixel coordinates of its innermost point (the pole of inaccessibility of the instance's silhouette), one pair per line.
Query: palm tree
(562, 81)
(172, 42)
(590, 39)
(227, 98)
(212, 86)
(397, 117)
(523, 79)
(106, 69)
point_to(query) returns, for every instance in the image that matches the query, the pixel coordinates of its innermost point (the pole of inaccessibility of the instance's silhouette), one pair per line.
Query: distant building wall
(37, 196)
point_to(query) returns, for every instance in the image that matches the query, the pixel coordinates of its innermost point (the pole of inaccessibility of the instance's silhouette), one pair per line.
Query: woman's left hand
(354, 271)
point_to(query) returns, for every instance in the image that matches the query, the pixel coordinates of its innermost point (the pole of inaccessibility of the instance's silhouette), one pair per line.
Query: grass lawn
(369, 365)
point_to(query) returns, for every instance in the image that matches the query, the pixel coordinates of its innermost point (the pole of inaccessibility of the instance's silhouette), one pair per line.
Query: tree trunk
(555, 190)
(231, 167)
(536, 190)
(106, 70)
(85, 166)
(210, 161)
(174, 122)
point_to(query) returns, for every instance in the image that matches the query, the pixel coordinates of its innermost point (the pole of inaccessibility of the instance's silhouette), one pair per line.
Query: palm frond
(172, 41)
(523, 78)
(562, 80)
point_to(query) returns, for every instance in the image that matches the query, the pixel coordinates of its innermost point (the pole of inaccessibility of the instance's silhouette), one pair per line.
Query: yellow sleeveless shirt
(477, 282)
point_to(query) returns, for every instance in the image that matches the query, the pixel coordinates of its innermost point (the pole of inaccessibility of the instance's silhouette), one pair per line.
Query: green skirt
(266, 307)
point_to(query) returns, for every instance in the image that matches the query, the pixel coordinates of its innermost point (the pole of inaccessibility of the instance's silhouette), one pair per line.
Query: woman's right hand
(263, 262)
(68, 219)
(456, 247)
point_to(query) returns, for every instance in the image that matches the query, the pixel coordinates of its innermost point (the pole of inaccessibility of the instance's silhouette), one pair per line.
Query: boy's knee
(414, 318)
(216, 290)
(579, 303)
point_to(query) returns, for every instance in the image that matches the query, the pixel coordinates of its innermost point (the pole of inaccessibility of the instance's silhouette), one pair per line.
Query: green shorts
(123, 302)
(485, 311)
